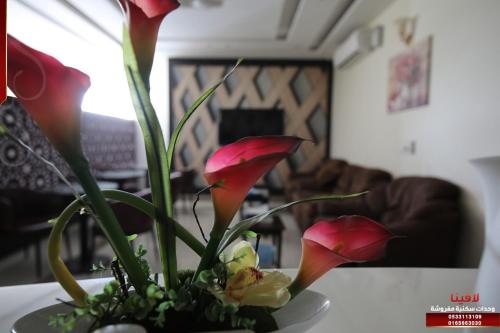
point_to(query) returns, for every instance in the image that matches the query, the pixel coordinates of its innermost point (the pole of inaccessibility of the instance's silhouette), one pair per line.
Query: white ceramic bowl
(298, 316)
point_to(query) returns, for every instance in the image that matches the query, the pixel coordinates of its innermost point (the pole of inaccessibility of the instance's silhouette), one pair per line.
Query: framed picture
(409, 77)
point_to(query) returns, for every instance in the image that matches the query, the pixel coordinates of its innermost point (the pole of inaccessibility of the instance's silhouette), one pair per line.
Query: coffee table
(389, 300)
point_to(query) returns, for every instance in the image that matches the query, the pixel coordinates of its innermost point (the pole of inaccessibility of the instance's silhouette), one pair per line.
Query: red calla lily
(50, 92)
(330, 243)
(144, 18)
(236, 167)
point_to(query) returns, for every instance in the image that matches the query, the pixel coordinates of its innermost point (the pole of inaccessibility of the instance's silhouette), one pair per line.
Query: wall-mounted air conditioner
(352, 48)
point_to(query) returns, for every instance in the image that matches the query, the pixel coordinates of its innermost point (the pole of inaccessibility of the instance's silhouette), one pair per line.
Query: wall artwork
(409, 77)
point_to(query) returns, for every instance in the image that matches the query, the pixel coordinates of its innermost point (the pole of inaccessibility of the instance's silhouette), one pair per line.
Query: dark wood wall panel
(301, 88)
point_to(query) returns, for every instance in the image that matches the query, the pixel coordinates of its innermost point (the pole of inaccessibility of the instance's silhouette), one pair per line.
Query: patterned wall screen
(18, 168)
(109, 144)
(301, 88)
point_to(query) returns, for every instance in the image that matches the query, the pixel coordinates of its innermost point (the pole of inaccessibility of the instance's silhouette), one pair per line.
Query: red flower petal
(249, 148)
(356, 237)
(154, 8)
(316, 260)
(330, 243)
(144, 20)
(239, 166)
(49, 91)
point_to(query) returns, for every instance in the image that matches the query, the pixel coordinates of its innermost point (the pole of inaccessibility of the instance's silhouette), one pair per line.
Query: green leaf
(263, 320)
(154, 292)
(111, 287)
(158, 166)
(172, 294)
(241, 227)
(147, 208)
(80, 311)
(250, 234)
(3, 130)
(121, 196)
(141, 251)
(231, 308)
(205, 276)
(132, 237)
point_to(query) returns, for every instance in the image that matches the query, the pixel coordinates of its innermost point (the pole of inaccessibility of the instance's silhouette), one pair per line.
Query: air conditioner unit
(352, 48)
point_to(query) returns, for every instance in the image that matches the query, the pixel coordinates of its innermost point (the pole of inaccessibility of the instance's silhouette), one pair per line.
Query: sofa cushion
(426, 212)
(329, 172)
(409, 197)
(353, 178)
(350, 206)
(356, 179)
(376, 200)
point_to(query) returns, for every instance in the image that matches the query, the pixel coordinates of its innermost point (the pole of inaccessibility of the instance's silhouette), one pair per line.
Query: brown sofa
(424, 210)
(320, 179)
(427, 211)
(337, 177)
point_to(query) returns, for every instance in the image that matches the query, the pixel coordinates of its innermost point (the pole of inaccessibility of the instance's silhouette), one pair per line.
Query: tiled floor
(20, 268)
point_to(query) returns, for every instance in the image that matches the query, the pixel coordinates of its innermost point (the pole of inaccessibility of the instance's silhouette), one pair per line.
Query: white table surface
(363, 299)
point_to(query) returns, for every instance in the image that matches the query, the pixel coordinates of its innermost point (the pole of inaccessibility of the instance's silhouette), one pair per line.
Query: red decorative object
(50, 92)
(238, 166)
(330, 243)
(144, 19)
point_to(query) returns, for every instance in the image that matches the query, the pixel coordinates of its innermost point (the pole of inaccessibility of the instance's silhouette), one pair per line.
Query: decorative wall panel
(18, 168)
(301, 88)
(108, 142)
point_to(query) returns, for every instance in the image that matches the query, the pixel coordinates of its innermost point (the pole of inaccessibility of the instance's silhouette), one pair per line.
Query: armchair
(352, 179)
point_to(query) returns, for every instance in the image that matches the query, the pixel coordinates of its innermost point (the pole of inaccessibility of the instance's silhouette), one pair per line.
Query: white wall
(100, 58)
(90, 52)
(462, 119)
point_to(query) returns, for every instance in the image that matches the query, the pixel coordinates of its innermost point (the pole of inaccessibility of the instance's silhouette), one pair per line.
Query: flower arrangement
(227, 289)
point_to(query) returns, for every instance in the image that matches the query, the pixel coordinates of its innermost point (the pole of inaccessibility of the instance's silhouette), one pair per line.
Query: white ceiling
(249, 28)
(234, 21)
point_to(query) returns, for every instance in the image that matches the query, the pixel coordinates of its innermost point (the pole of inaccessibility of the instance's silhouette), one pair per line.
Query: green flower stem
(239, 228)
(209, 257)
(295, 288)
(147, 208)
(156, 154)
(109, 225)
(57, 266)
